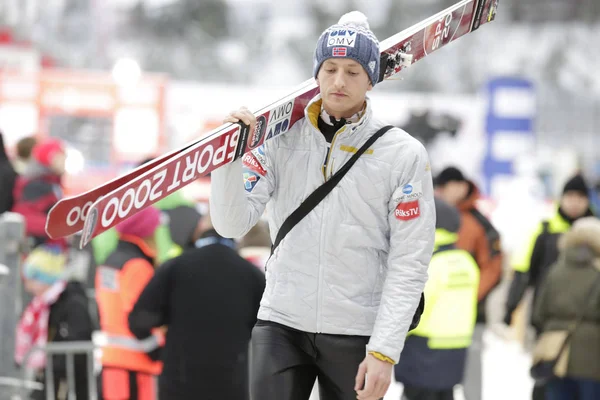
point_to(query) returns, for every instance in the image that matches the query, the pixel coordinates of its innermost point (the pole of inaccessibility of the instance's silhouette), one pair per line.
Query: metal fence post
(12, 239)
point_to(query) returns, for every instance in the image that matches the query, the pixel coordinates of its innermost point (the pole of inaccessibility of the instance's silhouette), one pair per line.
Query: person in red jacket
(40, 188)
(129, 365)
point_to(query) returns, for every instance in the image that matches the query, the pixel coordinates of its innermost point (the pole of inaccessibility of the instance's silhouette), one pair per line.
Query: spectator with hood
(8, 177)
(569, 299)
(40, 188)
(479, 237)
(130, 364)
(58, 313)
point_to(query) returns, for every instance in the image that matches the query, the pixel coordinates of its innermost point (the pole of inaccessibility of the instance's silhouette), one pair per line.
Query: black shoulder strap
(322, 191)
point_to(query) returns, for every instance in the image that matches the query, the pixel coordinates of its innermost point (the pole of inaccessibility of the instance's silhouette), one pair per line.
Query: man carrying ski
(343, 287)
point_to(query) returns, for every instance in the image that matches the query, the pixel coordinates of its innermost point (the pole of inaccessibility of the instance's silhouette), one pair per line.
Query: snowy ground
(505, 372)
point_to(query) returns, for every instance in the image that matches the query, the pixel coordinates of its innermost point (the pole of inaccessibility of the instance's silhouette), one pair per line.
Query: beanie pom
(355, 18)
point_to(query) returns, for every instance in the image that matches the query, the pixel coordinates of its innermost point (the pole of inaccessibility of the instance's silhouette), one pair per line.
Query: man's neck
(348, 114)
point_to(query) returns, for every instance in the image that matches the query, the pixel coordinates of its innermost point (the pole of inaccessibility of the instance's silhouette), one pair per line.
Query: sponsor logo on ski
(407, 211)
(177, 173)
(250, 180)
(282, 112)
(340, 52)
(438, 34)
(409, 192)
(259, 132)
(279, 120)
(341, 37)
(280, 127)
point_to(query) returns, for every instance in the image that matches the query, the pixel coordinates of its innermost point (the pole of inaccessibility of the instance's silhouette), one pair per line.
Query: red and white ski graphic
(104, 207)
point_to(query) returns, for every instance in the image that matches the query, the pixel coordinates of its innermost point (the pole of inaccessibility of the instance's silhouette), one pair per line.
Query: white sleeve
(240, 191)
(412, 233)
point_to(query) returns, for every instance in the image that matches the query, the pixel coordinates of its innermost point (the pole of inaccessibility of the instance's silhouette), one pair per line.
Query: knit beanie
(449, 174)
(45, 264)
(143, 224)
(46, 149)
(577, 184)
(350, 38)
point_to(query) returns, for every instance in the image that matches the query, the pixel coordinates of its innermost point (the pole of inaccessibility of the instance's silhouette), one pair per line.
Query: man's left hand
(377, 374)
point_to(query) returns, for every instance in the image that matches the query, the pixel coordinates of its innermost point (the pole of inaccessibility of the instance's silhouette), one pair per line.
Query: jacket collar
(314, 108)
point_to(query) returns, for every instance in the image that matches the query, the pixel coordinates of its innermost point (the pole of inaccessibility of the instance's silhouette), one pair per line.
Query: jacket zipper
(322, 238)
(331, 149)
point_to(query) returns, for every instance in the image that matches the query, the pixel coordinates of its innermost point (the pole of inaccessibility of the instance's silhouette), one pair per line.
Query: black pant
(539, 392)
(415, 393)
(285, 363)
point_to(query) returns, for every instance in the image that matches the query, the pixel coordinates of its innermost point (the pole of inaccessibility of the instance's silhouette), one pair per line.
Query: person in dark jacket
(8, 177)
(58, 313)
(39, 189)
(208, 298)
(573, 287)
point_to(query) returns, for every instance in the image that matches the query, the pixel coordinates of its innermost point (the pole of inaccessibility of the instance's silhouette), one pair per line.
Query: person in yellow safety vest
(531, 263)
(434, 355)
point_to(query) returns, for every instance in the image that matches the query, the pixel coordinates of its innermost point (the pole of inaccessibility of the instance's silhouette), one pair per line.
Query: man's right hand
(244, 115)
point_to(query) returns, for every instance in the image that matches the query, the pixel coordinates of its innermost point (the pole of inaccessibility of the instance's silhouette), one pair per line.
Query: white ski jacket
(357, 264)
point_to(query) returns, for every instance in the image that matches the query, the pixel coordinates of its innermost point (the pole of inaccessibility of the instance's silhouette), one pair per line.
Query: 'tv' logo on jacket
(407, 211)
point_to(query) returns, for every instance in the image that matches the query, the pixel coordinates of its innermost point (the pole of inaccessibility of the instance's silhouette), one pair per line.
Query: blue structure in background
(510, 113)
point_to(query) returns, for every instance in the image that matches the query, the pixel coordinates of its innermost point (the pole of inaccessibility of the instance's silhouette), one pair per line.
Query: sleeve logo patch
(250, 180)
(253, 164)
(409, 192)
(407, 211)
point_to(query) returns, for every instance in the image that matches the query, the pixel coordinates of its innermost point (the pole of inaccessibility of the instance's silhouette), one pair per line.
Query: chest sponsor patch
(409, 192)
(250, 180)
(252, 163)
(408, 210)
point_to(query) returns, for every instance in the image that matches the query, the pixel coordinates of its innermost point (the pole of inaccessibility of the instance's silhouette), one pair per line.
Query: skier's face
(344, 85)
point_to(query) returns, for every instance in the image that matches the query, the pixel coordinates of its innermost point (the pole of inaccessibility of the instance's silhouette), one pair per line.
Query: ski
(105, 206)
